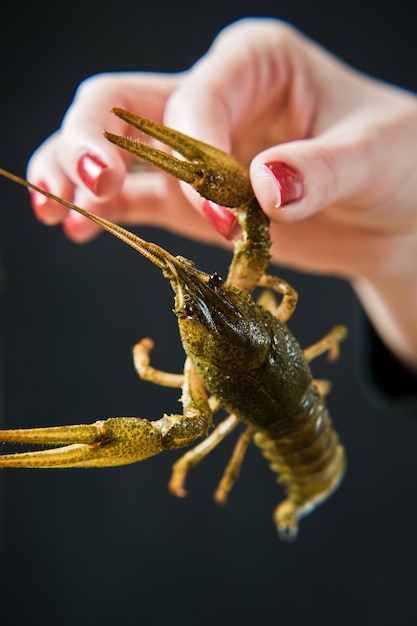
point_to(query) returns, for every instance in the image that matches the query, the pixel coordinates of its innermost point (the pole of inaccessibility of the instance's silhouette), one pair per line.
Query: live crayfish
(238, 350)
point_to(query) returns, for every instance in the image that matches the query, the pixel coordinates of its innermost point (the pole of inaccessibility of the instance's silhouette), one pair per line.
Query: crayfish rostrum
(240, 355)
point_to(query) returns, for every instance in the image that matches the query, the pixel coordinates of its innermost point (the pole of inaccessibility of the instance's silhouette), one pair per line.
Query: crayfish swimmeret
(238, 350)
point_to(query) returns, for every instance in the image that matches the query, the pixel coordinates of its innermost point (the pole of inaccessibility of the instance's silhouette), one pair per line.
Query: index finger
(81, 132)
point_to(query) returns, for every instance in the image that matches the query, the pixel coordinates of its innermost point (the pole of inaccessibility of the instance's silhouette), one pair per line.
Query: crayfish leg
(106, 443)
(329, 343)
(323, 386)
(284, 309)
(214, 174)
(115, 441)
(141, 361)
(191, 458)
(231, 473)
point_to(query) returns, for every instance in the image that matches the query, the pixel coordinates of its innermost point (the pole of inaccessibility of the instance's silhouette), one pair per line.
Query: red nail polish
(39, 200)
(290, 182)
(89, 170)
(220, 217)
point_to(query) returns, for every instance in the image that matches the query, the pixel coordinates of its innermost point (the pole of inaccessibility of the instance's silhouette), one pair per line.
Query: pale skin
(267, 94)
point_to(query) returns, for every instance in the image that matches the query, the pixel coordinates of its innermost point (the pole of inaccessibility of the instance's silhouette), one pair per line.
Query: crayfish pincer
(240, 356)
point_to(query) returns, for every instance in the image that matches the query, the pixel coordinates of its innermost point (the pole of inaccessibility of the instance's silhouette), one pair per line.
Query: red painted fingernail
(220, 217)
(39, 200)
(290, 182)
(90, 169)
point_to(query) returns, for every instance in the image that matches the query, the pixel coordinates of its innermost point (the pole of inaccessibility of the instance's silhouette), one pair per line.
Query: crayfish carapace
(240, 356)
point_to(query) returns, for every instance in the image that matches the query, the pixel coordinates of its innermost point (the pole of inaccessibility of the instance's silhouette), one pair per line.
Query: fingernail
(77, 227)
(221, 218)
(90, 168)
(289, 182)
(39, 200)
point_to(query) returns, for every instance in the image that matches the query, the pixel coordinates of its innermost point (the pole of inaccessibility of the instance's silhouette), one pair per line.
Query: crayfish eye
(215, 281)
(190, 309)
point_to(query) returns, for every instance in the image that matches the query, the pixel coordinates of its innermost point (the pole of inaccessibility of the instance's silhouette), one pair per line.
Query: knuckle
(93, 85)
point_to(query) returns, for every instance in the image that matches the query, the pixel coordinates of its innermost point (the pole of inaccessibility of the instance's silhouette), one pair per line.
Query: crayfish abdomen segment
(308, 458)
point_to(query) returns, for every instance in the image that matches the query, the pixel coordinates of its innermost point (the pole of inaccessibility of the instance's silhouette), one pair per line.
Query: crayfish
(240, 355)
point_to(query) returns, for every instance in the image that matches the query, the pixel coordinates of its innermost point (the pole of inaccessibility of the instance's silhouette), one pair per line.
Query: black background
(112, 546)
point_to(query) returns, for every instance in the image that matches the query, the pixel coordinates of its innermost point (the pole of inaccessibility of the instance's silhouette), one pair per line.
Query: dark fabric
(384, 379)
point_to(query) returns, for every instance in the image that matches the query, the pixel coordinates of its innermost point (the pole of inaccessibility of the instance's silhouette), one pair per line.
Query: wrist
(389, 297)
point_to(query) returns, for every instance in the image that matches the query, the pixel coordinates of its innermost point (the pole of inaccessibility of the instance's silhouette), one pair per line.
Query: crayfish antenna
(157, 255)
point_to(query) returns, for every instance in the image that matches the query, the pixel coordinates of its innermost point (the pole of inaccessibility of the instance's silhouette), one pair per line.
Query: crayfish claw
(217, 176)
(111, 442)
(183, 170)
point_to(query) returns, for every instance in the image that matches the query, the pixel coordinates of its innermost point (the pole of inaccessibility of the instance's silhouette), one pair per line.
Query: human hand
(332, 158)
(342, 147)
(78, 164)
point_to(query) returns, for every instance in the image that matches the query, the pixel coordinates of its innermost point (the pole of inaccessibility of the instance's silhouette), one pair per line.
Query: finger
(234, 97)
(85, 155)
(151, 199)
(294, 181)
(321, 245)
(44, 170)
(141, 198)
(346, 164)
(246, 70)
(78, 155)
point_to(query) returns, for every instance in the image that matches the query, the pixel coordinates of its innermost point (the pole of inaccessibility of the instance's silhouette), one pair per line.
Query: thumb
(295, 180)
